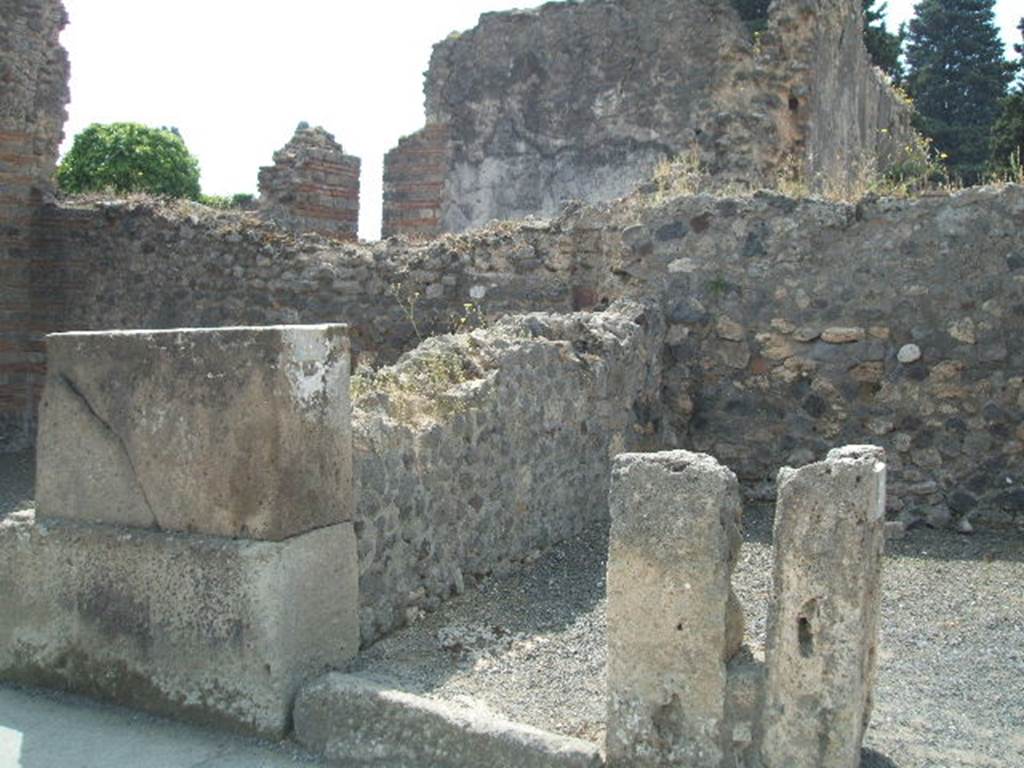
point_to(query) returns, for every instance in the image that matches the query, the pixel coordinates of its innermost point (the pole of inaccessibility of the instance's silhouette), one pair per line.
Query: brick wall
(313, 186)
(414, 179)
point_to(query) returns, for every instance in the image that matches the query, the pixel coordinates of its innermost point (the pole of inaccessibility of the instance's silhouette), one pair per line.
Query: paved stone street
(42, 730)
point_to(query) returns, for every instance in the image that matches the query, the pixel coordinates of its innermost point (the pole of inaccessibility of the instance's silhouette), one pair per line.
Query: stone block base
(211, 629)
(354, 721)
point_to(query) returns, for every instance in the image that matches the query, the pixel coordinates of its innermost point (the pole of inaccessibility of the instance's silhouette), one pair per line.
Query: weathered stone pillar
(823, 624)
(313, 186)
(193, 552)
(672, 624)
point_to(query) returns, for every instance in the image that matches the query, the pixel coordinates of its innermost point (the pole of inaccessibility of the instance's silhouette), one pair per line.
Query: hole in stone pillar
(668, 722)
(870, 704)
(806, 637)
(794, 103)
(805, 628)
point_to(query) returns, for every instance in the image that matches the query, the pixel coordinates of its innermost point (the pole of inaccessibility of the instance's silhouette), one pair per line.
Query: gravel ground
(17, 481)
(951, 678)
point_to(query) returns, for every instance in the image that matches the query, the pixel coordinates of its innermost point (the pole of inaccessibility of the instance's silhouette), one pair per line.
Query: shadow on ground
(17, 481)
(871, 759)
(984, 545)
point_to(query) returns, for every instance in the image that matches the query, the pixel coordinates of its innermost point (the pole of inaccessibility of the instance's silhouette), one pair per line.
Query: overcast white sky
(236, 76)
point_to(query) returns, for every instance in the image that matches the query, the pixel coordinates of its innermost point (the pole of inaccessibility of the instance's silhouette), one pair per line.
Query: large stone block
(242, 432)
(355, 721)
(823, 624)
(211, 629)
(672, 622)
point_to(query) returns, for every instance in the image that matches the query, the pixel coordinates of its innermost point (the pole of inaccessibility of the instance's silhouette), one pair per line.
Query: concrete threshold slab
(47, 730)
(356, 721)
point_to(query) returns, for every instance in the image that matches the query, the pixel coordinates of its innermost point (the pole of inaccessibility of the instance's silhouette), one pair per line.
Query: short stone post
(193, 551)
(823, 625)
(671, 624)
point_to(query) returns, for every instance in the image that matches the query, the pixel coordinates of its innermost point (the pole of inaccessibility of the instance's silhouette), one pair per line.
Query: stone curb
(354, 721)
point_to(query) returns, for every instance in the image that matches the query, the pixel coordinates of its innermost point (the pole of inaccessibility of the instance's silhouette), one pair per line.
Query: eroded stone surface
(581, 101)
(360, 722)
(206, 628)
(672, 548)
(241, 432)
(476, 450)
(823, 624)
(33, 93)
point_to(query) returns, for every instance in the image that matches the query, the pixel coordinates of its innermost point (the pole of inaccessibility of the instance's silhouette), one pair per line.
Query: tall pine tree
(1008, 131)
(884, 46)
(957, 75)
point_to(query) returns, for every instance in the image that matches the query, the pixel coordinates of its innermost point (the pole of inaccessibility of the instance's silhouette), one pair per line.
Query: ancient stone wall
(144, 264)
(793, 325)
(313, 186)
(848, 119)
(796, 326)
(583, 100)
(33, 92)
(476, 451)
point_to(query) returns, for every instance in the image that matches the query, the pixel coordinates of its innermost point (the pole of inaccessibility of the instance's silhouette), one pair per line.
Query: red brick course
(414, 178)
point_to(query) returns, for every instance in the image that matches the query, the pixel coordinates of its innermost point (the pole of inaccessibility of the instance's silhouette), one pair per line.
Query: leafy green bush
(916, 167)
(224, 202)
(128, 157)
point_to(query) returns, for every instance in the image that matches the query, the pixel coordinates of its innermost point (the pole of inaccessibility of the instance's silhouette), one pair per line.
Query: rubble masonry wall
(791, 325)
(33, 74)
(477, 451)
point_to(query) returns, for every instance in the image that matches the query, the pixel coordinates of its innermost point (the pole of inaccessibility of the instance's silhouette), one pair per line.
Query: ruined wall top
(313, 186)
(573, 74)
(583, 100)
(33, 89)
